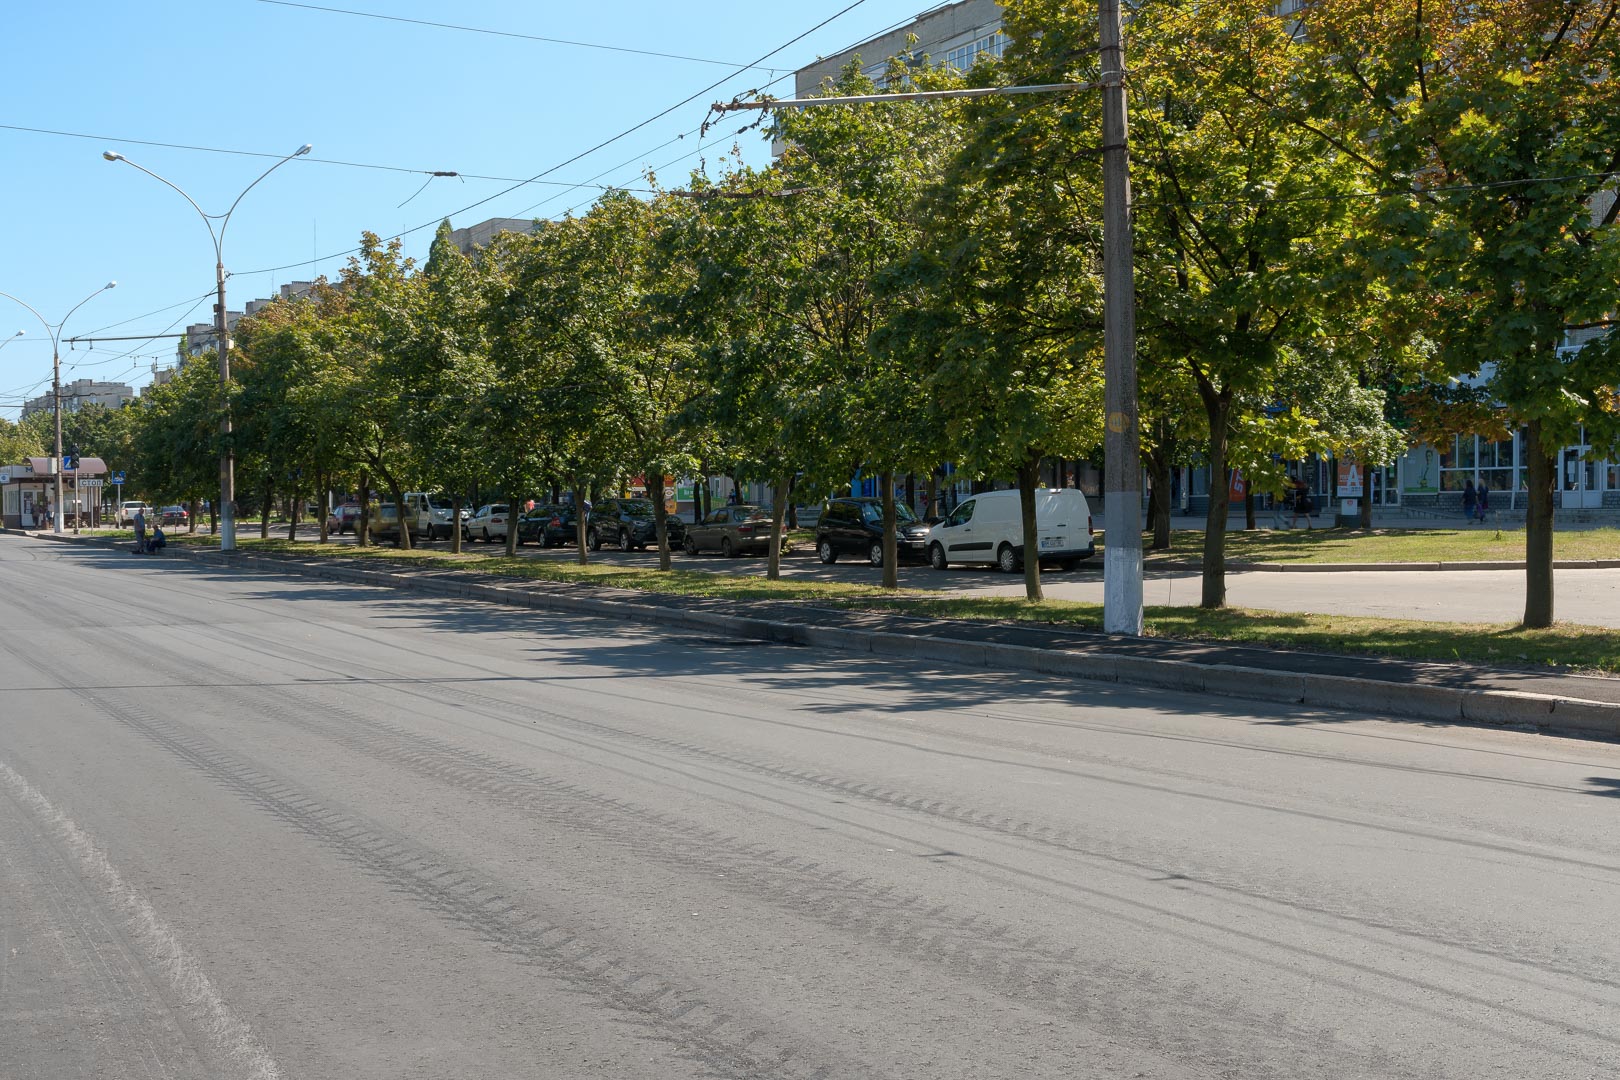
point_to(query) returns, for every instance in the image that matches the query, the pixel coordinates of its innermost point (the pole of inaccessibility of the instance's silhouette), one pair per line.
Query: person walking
(1482, 503)
(1469, 498)
(140, 532)
(1303, 507)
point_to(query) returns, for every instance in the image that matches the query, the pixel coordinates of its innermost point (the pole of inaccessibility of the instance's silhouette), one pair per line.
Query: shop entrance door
(1580, 481)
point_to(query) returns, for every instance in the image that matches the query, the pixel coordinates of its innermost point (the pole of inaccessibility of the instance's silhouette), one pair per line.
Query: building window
(965, 56)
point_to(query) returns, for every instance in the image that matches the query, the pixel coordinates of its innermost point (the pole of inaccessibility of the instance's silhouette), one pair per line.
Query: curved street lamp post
(227, 458)
(55, 334)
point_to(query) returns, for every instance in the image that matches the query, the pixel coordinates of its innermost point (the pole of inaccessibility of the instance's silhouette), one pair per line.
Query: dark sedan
(629, 524)
(548, 526)
(855, 527)
(732, 530)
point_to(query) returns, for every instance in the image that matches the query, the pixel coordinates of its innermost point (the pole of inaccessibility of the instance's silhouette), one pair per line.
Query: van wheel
(826, 552)
(874, 554)
(1008, 560)
(936, 557)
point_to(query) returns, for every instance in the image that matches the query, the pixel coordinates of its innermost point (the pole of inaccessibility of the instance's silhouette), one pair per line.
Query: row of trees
(1328, 210)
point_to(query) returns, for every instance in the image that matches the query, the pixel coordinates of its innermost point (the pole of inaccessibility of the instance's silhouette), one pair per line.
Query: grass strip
(1479, 544)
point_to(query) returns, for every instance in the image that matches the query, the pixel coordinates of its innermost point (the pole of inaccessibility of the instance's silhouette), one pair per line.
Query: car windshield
(498, 508)
(438, 502)
(873, 514)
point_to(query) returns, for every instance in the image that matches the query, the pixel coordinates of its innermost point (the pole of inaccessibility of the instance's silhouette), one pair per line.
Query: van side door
(960, 543)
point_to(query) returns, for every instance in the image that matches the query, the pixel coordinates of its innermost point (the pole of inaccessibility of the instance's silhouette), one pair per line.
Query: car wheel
(594, 539)
(690, 547)
(726, 549)
(1008, 560)
(936, 557)
(874, 554)
(625, 542)
(486, 535)
(826, 552)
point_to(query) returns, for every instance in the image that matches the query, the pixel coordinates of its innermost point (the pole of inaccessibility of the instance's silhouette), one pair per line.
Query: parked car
(854, 526)
(548, 525)
(172, 515)
(344, 518)
(629, 523)
(989, 528)
(128, 510)
(732, 530)
(487, 523)
(428, 517)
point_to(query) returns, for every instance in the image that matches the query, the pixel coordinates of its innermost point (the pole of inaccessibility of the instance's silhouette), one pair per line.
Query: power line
(511, 34)
(586, 153)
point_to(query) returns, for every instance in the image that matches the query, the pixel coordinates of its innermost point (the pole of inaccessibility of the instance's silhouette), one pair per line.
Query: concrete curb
(1394, 567)
(1413, 701)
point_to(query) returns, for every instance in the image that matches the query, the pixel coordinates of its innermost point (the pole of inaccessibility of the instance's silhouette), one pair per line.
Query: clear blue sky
(249, 75)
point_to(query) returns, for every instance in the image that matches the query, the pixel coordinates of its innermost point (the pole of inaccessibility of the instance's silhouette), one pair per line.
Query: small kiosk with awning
(28, 492)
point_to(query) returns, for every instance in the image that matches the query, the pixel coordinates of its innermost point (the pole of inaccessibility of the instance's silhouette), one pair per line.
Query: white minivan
(989, 528)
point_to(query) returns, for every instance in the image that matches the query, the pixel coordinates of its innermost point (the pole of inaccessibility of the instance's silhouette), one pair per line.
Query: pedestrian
(1482, 503)
(140, 532)
(1469, 498)
(158, 541)
(1303, 507)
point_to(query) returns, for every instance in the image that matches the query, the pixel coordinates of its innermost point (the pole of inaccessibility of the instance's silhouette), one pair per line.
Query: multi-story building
(473, 237)
(199, 337)
(81, 392)
(956, 34)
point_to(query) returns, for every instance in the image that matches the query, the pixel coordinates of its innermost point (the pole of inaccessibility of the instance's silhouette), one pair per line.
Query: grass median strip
(1583, 648)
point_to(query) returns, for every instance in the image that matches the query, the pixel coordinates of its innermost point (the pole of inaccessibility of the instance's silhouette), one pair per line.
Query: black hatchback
(855, 527)
(629, 524)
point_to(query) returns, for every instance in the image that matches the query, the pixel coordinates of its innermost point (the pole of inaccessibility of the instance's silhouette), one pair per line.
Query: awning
(86, 466)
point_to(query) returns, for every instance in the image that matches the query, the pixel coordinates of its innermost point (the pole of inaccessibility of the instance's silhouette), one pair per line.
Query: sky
(265, 78)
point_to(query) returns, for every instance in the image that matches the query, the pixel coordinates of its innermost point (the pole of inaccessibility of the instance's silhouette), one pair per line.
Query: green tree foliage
(1494, 131)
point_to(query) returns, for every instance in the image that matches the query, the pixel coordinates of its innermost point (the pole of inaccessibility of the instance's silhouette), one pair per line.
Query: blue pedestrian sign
(67, 462)
(118, 477)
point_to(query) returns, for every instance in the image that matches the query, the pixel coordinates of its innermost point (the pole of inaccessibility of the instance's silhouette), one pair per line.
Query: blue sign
(118, 477)
(67, 462)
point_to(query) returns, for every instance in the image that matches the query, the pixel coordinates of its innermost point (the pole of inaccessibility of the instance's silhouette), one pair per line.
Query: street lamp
(55, 333)
(227, 459)
(10, 339)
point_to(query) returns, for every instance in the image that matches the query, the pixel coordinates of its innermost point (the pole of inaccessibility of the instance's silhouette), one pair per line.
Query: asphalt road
(255, 828)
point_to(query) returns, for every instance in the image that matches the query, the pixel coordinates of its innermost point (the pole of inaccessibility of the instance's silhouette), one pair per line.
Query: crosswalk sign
(67, 463)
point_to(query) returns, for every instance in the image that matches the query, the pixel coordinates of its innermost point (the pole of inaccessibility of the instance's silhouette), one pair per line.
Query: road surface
(255, 827)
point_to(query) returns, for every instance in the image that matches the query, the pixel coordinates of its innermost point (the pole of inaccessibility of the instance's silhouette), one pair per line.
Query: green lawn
(1479, 544)
(1594, 649)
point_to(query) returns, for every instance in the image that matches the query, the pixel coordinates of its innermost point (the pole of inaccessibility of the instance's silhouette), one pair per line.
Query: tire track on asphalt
(718, 1041)
(1489, 943)
(982, 948)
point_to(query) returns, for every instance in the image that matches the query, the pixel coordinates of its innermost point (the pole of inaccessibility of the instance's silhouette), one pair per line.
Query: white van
(989, 528)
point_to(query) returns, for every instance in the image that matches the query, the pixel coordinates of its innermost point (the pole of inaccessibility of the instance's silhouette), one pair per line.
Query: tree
(1491, 131)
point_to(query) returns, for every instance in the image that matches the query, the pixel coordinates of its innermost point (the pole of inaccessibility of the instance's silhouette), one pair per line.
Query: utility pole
(1122, 468)
(1122, 474)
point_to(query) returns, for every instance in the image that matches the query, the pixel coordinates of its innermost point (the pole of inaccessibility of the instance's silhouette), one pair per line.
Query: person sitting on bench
(157, 542)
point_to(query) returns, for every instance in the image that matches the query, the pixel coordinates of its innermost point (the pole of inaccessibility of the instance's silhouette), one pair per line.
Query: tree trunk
(264, 511)
(1217, 408)
(660, 521)
(455, 524)
(297, 505)
(933, 495)
(792, 512)
(323, 483)
(1248, 506)
(1538, 529)
(362, 524)
(1366, 498)
(213, 516)
(1162, 483)
(513, 511)
(397, 490)
(779, 498)
(891, 541)
(582, 499)
(1029, 483)
(911, 491)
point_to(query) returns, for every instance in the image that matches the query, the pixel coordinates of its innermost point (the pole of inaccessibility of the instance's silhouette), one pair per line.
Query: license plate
(1051, 541)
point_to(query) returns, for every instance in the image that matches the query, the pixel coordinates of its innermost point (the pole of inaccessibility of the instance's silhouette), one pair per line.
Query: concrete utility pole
(1122, 469)
(1122, 476)
(227, 457)
(55, 333)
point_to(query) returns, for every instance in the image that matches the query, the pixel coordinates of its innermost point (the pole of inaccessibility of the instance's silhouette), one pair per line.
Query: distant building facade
(955, 34)
(473, 237)
(81, 392)
(199, 337)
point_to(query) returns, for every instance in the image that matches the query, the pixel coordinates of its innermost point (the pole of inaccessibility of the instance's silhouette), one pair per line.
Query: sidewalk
(1449, 693)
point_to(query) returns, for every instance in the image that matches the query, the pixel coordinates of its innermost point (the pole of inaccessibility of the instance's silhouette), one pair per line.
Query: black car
(629, 524)
(549, 526)
(855, 527)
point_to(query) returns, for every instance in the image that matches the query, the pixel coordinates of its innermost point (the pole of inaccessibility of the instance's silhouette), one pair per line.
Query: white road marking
(201, 1003)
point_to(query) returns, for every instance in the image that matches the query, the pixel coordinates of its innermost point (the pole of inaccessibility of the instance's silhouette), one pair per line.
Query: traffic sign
(68, 463)
(90, 483)
(118, 477)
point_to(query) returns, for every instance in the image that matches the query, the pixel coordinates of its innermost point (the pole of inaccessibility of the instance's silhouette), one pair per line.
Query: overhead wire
(585, 153)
